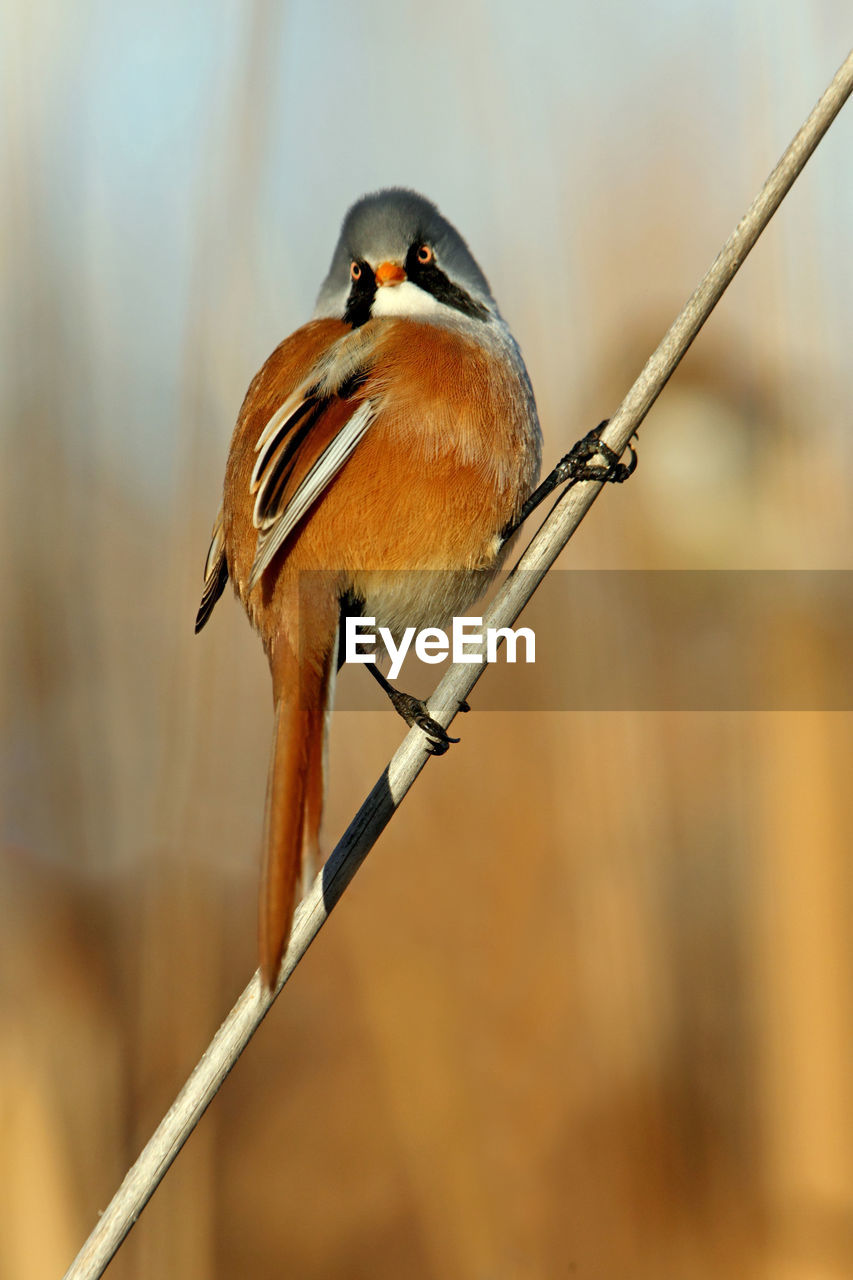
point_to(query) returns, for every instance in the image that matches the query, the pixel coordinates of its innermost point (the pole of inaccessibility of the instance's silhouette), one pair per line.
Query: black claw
(414, 712)
(578, 465)
(463, 705)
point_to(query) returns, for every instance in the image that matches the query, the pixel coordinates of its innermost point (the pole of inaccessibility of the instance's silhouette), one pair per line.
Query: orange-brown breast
(447, 462)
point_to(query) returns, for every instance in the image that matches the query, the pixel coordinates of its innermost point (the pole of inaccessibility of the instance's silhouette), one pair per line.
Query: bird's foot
(579, 463)
(414, 712)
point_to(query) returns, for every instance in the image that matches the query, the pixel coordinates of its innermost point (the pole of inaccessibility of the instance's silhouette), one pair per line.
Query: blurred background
(586, 1010)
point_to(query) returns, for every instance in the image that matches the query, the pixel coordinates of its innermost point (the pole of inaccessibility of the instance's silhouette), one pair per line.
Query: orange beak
(389, 273)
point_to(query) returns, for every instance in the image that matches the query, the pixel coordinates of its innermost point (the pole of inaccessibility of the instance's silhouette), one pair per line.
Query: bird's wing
(215, 574)
(307, 441)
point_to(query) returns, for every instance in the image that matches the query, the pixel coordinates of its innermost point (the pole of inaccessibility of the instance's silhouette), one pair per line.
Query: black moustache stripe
(361, 295)
(432, 279)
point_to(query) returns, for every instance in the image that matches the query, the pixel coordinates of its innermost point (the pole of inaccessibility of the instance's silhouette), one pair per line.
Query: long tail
(295, 789)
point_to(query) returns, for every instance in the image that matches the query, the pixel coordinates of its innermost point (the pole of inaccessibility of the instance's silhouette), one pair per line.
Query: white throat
(406, 299)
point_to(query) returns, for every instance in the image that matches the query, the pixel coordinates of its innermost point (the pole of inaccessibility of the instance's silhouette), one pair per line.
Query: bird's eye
(355, 271)
(425, 255)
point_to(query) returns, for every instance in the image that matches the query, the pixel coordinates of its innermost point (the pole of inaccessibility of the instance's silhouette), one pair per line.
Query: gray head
(397, 255)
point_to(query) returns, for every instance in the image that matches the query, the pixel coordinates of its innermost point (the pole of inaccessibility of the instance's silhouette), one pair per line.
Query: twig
(410, 758)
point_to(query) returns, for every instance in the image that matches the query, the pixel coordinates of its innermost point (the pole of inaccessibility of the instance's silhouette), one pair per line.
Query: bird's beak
(389, 273)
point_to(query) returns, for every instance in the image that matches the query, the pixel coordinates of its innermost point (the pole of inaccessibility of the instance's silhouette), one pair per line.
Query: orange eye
(355, 271)
(425, 255)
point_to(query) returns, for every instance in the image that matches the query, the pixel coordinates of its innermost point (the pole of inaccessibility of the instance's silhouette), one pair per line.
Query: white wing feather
(327, 465)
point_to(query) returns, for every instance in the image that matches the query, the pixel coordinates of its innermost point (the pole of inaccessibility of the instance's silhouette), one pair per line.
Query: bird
(380, 457)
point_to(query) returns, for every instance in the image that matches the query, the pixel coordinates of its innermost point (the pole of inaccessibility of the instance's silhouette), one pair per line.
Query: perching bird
(393, 435)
